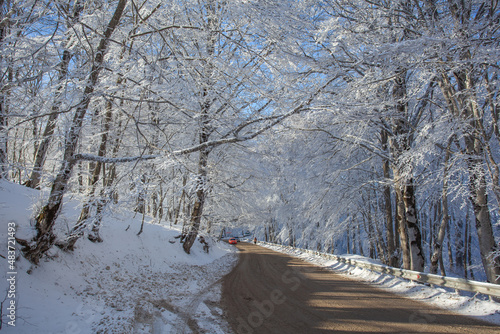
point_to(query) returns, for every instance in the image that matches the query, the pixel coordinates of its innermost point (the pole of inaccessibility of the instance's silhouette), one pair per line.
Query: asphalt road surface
(270, 292)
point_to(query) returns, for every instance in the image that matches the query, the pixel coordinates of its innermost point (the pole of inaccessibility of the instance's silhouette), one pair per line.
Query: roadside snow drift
(127, 284)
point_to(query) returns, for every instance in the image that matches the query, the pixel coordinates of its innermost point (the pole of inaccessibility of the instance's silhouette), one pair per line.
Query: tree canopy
(340, 125)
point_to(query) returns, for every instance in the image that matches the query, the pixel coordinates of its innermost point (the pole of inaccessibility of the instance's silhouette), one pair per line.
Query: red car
(233, 241)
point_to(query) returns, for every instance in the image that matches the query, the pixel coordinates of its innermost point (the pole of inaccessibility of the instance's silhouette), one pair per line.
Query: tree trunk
(360, 242)
(459, 246)
(370, 231)
(45, 220)
(201, 181)
(200, 196)
(479, 198)
(291, 239)
(463, 108)
(43, 146)
(41, 152)
(94, 233)
(414, 236)
(403, 236)
(405, 188)
(4, 99)
(389, 225)
(3, 131)
(348, 238)
(212, 27)
(181, 200)
(462, 102)
(82, 223)
(468, 241)
(437, 254)
(381, 245)
(107, 194)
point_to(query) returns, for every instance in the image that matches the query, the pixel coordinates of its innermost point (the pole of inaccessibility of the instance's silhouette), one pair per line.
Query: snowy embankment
(474, 306)
(127, 284)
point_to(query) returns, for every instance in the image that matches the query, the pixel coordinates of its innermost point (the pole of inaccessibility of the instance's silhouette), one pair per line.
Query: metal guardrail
(489, 289)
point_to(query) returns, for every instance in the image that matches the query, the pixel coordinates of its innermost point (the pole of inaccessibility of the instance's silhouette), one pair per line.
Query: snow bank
(128, 283)
(473, 306)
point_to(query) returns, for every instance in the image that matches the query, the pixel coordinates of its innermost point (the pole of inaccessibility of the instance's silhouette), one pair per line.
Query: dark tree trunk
(199, 203)
(438, 242)
(410, 236)
(45, 220)
(80, 226)
(212, 27)
(487, 245)
(4, 100)
(401, 225)
(393, 258)
(460, 103)
(414, 235)
(43, 146)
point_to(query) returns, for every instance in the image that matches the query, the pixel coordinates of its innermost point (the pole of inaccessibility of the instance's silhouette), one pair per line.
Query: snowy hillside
(127, 284)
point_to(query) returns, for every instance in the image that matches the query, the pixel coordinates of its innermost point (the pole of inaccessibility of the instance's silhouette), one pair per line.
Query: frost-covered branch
(164, 29)
(95, 158)
(351, 140)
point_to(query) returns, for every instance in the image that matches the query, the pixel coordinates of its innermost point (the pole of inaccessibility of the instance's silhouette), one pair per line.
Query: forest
(367, 127)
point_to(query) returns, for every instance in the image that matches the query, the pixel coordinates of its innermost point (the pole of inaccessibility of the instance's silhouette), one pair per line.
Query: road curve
(270, 292)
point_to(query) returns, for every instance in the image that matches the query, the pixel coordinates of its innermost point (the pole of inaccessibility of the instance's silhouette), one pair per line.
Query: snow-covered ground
(474, 306)
(127, 284)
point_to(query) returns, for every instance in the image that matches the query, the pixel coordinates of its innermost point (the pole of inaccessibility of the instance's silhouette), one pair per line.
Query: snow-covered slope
(127, 284)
